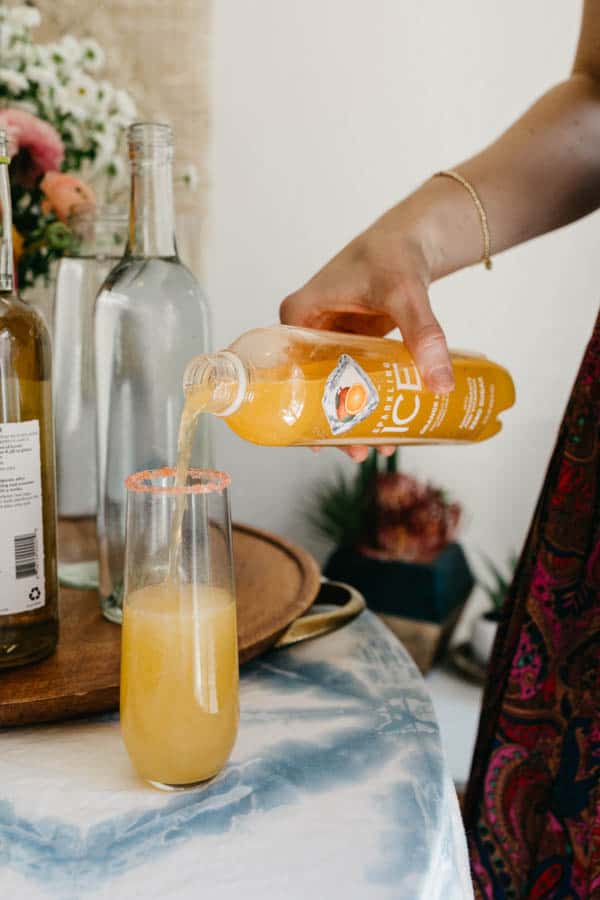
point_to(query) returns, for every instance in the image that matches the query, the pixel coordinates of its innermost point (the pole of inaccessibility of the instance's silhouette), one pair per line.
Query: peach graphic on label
(350, 401)
(349, 396)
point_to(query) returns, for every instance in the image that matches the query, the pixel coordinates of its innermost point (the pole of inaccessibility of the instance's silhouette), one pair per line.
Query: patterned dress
(532, 808)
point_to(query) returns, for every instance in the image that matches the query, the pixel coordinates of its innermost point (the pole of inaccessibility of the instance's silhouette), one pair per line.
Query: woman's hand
(379, 281)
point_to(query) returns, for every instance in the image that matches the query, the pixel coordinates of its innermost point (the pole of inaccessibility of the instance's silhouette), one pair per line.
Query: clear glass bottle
(150, 315)
(28, 577)
(101, 233)
(287, 386)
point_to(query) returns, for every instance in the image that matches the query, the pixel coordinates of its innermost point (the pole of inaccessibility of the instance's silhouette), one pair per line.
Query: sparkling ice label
(349, 396)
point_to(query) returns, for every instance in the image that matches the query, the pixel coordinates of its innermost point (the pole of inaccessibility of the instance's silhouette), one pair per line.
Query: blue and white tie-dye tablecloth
(337, 788)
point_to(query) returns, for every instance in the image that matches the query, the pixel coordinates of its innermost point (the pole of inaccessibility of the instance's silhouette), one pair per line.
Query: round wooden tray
(276, 582)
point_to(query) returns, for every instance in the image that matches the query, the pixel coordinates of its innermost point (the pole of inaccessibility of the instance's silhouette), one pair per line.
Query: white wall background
(325, 113)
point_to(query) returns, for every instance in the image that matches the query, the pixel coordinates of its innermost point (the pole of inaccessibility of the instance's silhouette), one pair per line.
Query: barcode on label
(26, 555)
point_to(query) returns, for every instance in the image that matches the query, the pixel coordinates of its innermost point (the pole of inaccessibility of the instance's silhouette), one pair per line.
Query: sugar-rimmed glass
(179, 661)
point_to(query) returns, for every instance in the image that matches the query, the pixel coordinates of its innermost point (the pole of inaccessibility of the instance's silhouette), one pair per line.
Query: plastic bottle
(284, 386)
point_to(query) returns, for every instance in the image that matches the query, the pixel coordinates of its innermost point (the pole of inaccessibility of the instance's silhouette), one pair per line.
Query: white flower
(93, 56)
(28, 54)
(104, 98)
(84, 88)
(123, 106)
(44, 56)
(189, 176)
(109, 162)
(44, 96)
(14, 81)
(60, 82)
(25, 16)
(14, 48)
(71, 48)
(6, 34)
(69, 104)
(67, 51)
(78, 136)
(77, 97)
(44, 75)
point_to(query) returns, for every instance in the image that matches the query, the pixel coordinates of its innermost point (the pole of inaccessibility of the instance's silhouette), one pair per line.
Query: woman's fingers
(354, 295)
(359, 452)
(410, 308)
(407, 306)
(300, 308)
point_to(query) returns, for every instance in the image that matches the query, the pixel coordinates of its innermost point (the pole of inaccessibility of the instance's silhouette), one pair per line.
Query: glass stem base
(162, 786)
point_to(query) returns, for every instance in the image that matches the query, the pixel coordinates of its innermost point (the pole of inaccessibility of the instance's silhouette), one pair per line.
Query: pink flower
(65, 194)
(409, 520)
(396, 490)
(35, 144)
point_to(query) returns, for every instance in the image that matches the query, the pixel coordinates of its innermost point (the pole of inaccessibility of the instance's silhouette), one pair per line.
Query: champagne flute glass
(179, 658)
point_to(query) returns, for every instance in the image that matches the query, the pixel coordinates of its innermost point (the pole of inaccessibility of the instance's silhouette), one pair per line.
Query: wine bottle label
(349, 396)
(22, 586)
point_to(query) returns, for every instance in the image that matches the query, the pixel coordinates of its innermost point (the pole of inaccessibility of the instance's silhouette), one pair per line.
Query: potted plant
(396, 543)
(485, 626)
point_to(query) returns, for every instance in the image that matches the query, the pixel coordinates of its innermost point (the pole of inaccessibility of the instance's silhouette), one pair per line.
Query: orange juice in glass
(179, 659)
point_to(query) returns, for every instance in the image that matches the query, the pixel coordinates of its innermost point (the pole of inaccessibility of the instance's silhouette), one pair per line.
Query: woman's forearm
(541, 174)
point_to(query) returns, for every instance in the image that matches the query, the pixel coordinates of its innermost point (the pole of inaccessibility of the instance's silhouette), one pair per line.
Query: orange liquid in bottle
(349, 390)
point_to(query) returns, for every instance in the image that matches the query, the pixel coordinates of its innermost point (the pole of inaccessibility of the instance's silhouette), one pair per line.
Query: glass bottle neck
(151, 213)
(7, 277)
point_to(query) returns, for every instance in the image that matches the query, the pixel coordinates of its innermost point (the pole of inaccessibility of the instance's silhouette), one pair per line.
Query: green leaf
(337, 510)
(497, 587)
(392, 462)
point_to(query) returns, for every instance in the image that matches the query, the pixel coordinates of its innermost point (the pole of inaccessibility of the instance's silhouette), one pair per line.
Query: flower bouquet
(65, 125)
(396, 543)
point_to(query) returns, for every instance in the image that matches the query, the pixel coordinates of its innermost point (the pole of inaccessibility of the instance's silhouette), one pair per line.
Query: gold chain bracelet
(450, 173)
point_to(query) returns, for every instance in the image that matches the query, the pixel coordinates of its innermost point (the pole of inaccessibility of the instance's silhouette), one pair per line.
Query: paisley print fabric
(532, 808)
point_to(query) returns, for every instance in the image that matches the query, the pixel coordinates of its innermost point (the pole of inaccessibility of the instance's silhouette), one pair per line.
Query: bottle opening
(220, 378)
(150, 140)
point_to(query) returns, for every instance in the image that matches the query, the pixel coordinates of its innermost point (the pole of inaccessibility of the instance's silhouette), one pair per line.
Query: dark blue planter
(424, 591)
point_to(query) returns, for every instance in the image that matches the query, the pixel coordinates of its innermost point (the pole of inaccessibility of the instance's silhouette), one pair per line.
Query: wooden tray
(276, 583)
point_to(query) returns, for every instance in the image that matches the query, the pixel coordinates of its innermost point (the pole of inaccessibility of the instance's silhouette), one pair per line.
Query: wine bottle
(150, 314)
(28, 573)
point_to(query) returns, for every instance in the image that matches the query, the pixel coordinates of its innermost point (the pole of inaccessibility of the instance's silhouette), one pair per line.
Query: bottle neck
(7, 275)
(151, 212)
(216, 383)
